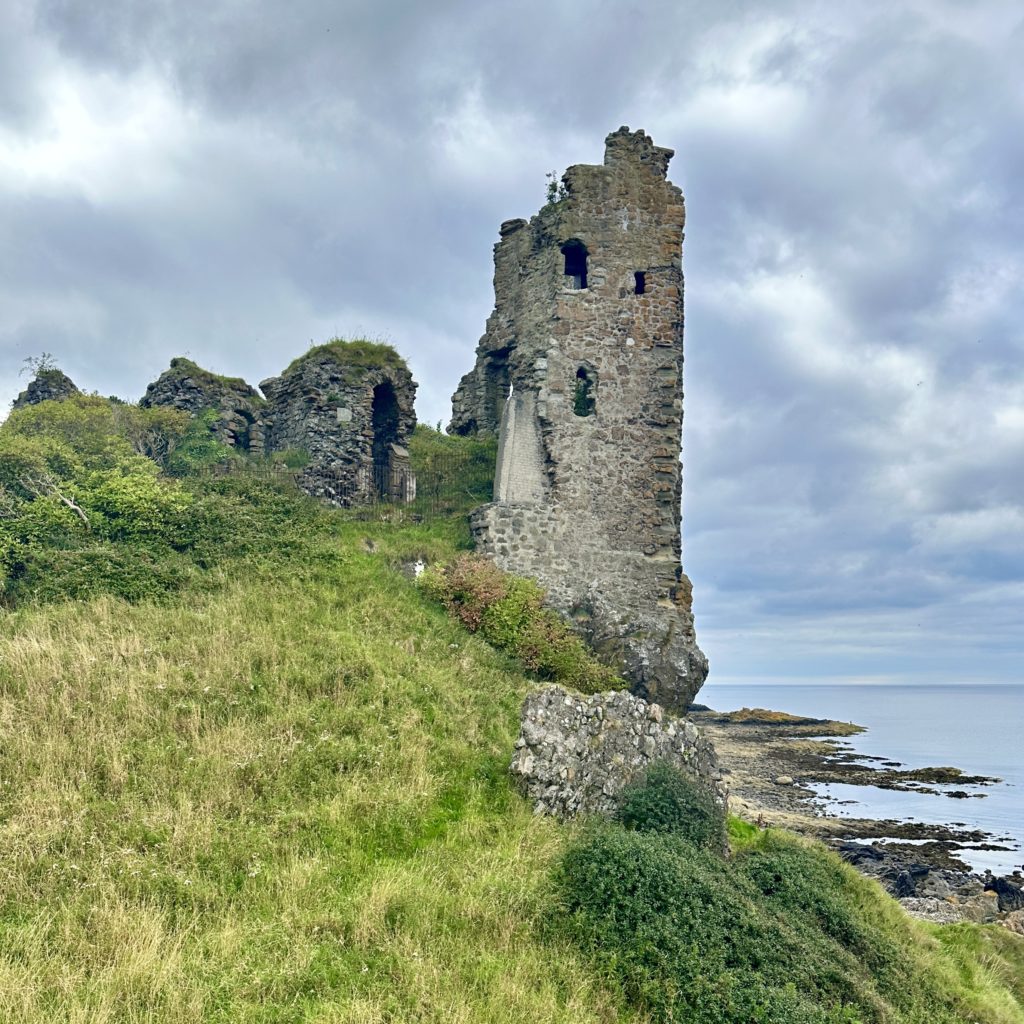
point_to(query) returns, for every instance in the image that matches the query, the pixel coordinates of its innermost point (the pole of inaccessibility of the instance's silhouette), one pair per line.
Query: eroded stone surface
(580, 371)
(190, 388)
(929, 908)
(354, 421)
(46, 386)
(348, 406)
(576, 753)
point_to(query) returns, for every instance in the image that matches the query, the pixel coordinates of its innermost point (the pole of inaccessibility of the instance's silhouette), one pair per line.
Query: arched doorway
(384, 421)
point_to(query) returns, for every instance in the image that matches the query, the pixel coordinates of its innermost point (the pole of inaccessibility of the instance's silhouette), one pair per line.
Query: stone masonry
(575, 754)
(190, 388)
(353, 419)
(580, 373)
(347, 405)
(47, 386)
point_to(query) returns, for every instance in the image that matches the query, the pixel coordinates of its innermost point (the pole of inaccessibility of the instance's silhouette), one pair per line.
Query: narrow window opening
(584, 400)
(575, 254)
(641, 282)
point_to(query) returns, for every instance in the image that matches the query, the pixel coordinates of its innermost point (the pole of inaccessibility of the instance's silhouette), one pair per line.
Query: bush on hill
(85, 507)
(784, 932)
(508, 611)
(666, 801)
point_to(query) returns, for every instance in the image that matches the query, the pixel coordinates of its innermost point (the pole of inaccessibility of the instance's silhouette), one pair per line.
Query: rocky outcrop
(575, 753)
(47, 386)
(939, 895)
(1015, 922)
(580, 372)
(237, 405)
(349, 405)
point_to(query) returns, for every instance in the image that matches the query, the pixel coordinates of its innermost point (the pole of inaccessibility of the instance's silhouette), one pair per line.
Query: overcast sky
(232, 180)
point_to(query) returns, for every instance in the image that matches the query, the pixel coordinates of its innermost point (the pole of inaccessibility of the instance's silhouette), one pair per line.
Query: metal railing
(438, 485)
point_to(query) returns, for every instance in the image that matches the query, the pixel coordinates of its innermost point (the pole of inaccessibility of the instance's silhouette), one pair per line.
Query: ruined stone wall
(190, 388)
(576, 754)
(47, 386)
(326, 407)
(590, 504)
(347, 405)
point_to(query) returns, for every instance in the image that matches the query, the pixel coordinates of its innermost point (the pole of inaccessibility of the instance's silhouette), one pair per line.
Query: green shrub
(156, 432)
(668, 920)
(48, 574)
(453, 474)
(783, 932)
(291, 458)
(135, 505)
(199, 448)
(83, 424)
(665, 800)
(508, 612)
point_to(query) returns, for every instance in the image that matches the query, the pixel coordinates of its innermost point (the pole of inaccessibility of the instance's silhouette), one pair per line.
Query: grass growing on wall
(359, 354)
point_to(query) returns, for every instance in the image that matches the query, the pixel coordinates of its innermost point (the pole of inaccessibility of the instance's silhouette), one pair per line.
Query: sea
(978, 728)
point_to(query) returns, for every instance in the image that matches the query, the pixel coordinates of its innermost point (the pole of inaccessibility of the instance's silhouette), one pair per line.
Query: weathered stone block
(576, 753)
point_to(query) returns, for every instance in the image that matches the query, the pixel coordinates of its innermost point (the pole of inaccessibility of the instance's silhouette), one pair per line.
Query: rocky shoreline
(770, 760)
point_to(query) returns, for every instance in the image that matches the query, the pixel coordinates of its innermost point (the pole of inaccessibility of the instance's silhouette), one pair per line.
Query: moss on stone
(182, 367)
(357, 354)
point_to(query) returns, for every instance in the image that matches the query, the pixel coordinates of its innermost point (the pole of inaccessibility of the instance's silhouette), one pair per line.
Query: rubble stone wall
(46, 386)
(190, 388)
(575, 754)
(348, 406)
(355, 422)
(596, 365)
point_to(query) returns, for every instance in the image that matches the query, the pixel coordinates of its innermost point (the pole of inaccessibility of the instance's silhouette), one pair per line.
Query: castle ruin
(347, 406)
(580, 372)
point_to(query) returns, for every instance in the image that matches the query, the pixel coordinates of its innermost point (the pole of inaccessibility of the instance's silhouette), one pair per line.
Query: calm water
(977, 728)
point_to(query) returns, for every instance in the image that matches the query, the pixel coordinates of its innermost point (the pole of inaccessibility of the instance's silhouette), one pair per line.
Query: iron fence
(436, 485)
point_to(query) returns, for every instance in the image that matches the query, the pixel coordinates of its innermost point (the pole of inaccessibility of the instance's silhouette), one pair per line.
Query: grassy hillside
(273, 786)
(283, 801)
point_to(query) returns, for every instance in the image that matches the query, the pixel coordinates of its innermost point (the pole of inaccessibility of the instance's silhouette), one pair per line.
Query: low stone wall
(575, 753)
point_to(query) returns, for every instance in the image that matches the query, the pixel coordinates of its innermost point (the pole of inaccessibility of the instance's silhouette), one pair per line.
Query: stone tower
(581, 373)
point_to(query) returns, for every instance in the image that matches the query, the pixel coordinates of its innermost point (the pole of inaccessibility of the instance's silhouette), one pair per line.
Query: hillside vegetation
(252, 772)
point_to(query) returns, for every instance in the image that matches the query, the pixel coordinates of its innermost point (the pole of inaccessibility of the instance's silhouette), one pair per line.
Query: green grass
(783, 932)
(357, 354)
(283, 801)
(254, 774)
(183, 367)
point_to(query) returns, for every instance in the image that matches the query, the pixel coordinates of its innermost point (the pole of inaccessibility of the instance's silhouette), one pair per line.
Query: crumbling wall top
(624, 146)
(48, 385)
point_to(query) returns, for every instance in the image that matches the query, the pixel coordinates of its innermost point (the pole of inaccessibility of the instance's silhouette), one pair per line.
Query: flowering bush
(508, 611)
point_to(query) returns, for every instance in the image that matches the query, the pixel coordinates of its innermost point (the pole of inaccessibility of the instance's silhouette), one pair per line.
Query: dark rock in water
(1011, 895)
(48, 386)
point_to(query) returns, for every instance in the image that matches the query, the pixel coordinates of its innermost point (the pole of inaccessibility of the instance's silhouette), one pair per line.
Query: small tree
(40, 365)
